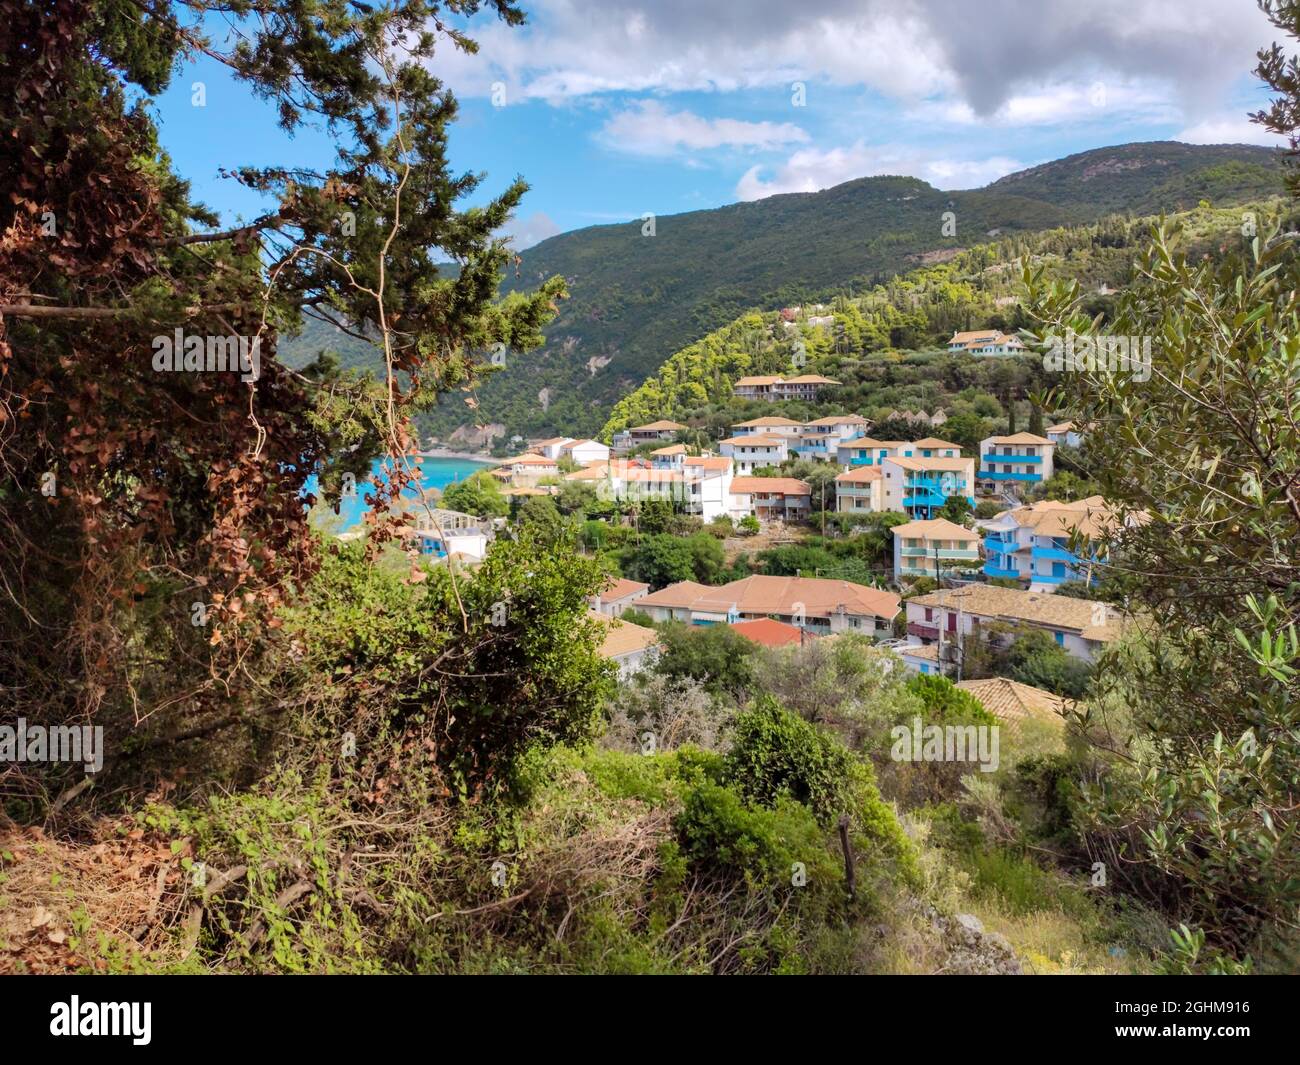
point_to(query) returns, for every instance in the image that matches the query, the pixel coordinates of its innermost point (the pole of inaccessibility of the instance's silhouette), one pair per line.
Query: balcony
(990, 570)
(996, 456)
(926, 632)
(989, 475)
(942, 552)
(1055, 554)
(1000, 547)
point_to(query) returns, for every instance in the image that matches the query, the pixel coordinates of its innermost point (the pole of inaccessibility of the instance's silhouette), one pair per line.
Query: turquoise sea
(435, 473)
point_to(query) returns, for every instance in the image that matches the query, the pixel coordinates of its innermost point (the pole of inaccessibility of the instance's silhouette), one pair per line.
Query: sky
(614, 108)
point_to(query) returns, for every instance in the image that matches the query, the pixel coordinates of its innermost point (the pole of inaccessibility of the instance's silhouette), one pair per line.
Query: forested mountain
(635, 299)
(868, 348)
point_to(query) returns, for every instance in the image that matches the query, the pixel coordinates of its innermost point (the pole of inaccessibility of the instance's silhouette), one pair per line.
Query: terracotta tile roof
(682, 594)
(769, 632)
(710, 462)
(942, 464)
(840, 419)
(552, 441)
(790, 486)
(934, 441)
(1061, 427)
(859, 475)
(620, 588)
(1013, 702)
(934, 529)
(757, 381)
(762, 594)
(622, 637)
(578, 443)
(810, 379)
(927, 651)
(659, 426)
(1010, 604)
(771, 421)
(974, 334)
(527, 459)
(1019, 438)
(671, 449)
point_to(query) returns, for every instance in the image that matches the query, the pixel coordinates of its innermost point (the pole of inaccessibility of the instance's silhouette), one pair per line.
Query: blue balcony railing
(997, 456)
(1055, 554)
(990, 570)
(990, 475)
(999, 547)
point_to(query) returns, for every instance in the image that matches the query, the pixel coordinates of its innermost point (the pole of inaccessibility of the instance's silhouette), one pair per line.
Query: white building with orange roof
(860, 490)
(646, 434)
(753, 451)
(986, 342)
(935, 548)
(550, 448)
(584, 451)
(700, 486)
(618, 595)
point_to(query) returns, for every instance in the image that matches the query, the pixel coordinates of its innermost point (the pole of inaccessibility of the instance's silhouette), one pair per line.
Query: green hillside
(916, 312)
(637, 299)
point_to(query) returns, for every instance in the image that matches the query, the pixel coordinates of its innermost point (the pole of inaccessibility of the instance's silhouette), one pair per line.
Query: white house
(584, 451)
(935, 548)
(551, 448)
(986, 342)
(860, 490)
(631, 647)
(701, 486)
(1031, 544)
(1065, 433)
(618, 595)
(919, 487)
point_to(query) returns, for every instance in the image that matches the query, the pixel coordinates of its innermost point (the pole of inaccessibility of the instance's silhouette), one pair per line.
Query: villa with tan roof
(860, 490)
(699, 486)
(1080, 626)
(1031, 544)
(753, 451)
(936, 548)
(524, 471)
(986, 342)
(770, 498)
(816, 605)
(631, 647)
(618, 595)
(777, 386)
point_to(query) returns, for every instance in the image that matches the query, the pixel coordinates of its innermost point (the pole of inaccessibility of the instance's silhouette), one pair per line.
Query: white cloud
(649, 128)
(812, 169)
(983, 56)
(1229, 129)
(525, 232)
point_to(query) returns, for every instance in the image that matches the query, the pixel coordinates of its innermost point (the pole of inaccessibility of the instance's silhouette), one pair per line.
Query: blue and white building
(1020, 460)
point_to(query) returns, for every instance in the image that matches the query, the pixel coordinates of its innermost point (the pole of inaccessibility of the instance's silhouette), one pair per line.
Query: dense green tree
(479, 494)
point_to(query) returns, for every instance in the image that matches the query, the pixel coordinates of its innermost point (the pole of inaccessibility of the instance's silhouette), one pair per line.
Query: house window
(1060, 638)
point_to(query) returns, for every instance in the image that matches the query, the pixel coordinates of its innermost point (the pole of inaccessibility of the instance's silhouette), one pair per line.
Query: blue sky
(616, 108)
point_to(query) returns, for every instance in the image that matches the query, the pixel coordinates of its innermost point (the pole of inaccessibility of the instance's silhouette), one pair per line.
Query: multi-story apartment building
(524, 471)
(813, 604)
(1022, 459)
(753, 451)
(1080, 626)
(864, 451)
(702, 486)
(805, 386)
(936, 548)
(770, 498)
(860, 490)
(1031, 544)
(920, 486)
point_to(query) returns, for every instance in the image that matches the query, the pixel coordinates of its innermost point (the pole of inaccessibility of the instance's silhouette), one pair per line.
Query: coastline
(467, 456)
